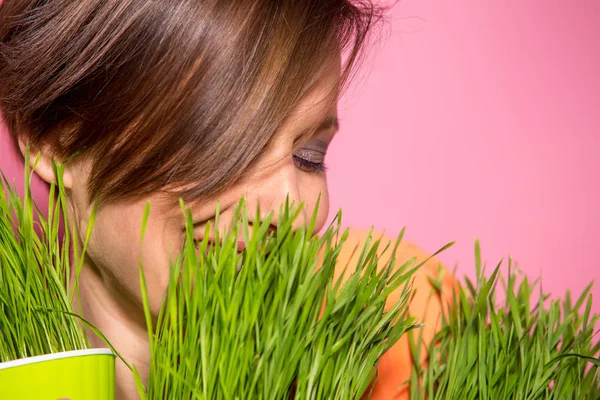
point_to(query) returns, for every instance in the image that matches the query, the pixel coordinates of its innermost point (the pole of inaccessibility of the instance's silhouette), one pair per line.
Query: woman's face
(114, 249)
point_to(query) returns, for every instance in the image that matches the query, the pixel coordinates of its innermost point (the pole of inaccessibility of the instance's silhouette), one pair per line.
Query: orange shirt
(395, 367)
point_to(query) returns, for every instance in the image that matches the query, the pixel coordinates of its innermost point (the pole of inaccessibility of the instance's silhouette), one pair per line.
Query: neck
(106, 309)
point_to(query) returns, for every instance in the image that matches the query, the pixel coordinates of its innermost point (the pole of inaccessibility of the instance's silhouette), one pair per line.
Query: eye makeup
(311, 157)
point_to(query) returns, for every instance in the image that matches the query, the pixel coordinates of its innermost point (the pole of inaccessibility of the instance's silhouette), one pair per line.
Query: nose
(270, 188)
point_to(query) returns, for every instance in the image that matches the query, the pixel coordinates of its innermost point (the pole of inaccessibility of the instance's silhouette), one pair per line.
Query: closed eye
(307, 165)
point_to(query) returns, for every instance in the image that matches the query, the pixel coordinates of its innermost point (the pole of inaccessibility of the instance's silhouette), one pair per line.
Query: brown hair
(179, 93)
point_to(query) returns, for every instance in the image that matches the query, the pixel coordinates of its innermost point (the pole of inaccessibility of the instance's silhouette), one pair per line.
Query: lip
(241, 245)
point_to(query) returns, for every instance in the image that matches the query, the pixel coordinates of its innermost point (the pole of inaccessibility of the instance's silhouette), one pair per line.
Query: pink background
(476, 119)
(482, 119)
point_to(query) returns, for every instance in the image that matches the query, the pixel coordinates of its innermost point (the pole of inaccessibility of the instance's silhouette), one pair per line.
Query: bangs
(181, 96)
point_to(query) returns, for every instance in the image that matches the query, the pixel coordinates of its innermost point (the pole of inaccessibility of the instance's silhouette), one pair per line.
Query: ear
(44, 165)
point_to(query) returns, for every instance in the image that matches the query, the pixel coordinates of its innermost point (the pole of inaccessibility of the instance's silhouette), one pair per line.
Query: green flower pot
(73, 375)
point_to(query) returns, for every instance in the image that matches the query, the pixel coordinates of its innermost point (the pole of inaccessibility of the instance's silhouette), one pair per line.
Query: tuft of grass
(273, 322)
(36, 289)
(270, 322)
(521, 349)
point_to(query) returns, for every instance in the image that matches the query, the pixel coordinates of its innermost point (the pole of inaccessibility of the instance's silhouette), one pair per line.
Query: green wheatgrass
(266, 324)
(513, 350)
(36, 290)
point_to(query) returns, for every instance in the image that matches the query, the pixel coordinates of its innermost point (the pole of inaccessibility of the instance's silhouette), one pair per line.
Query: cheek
(115, 247)
(115, 250)
(311, 187)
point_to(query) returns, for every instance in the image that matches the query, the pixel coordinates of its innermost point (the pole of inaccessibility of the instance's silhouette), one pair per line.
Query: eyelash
(308, 166)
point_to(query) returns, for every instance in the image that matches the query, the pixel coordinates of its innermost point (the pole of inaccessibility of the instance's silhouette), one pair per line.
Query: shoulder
(406, 251)
(432, 282)
(433, 286)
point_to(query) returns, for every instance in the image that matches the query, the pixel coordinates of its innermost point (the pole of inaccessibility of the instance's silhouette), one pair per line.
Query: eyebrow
(330, 122)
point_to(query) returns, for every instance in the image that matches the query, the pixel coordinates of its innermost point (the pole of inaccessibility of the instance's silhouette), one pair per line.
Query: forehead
(320, 101)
